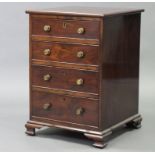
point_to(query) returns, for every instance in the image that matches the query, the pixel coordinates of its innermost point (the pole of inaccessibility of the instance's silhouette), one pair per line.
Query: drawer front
(76, 80)
(65, 28)
(63, 108)
(70, 53)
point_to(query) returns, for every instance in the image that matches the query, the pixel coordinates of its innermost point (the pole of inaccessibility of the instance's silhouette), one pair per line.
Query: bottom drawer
(64, 108)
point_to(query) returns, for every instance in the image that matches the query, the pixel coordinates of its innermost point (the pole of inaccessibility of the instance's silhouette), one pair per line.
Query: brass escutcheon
(64, 25)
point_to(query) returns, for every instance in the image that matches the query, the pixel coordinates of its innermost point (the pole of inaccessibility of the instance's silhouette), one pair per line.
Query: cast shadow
(77, 137)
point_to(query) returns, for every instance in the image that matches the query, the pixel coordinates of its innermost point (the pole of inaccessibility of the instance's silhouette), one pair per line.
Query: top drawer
(65, 28)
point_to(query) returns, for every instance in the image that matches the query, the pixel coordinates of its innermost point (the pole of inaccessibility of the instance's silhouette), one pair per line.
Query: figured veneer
(71, 53)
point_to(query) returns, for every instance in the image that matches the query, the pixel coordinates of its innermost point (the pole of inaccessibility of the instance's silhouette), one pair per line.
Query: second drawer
(71, 53)
(69, 79)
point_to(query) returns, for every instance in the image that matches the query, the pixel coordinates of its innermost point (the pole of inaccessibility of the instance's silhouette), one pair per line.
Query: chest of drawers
(84, 70)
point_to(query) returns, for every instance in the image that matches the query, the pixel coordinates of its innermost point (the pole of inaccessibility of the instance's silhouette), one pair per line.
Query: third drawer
(69, 79)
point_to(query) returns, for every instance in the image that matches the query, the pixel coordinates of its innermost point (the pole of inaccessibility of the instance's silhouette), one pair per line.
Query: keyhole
(64, 25)
(64, 99)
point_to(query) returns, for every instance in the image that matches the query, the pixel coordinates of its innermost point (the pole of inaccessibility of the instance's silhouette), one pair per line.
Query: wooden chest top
(85, 11)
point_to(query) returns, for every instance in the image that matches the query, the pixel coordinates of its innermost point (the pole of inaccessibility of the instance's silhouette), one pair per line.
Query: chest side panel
(120, 68)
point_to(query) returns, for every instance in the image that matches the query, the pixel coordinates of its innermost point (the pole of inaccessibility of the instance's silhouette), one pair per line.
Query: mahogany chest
(84, 70)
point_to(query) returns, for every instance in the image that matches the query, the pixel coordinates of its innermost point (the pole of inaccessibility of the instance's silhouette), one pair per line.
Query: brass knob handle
(79, 82)
(47, 52)
(80, 111)
(47, 106)
(47, 77)
(47, 28)
(80, 54)
(80, 30)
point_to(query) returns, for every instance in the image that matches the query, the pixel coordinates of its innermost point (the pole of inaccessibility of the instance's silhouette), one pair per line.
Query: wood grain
(65, 79)
(120, 68)
(65, 52)
(70, 30)
(64, 108)
(66, 65)
(70, 93)
(82, 41)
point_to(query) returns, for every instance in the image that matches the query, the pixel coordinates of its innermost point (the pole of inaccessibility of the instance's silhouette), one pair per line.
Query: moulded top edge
(85, 11)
